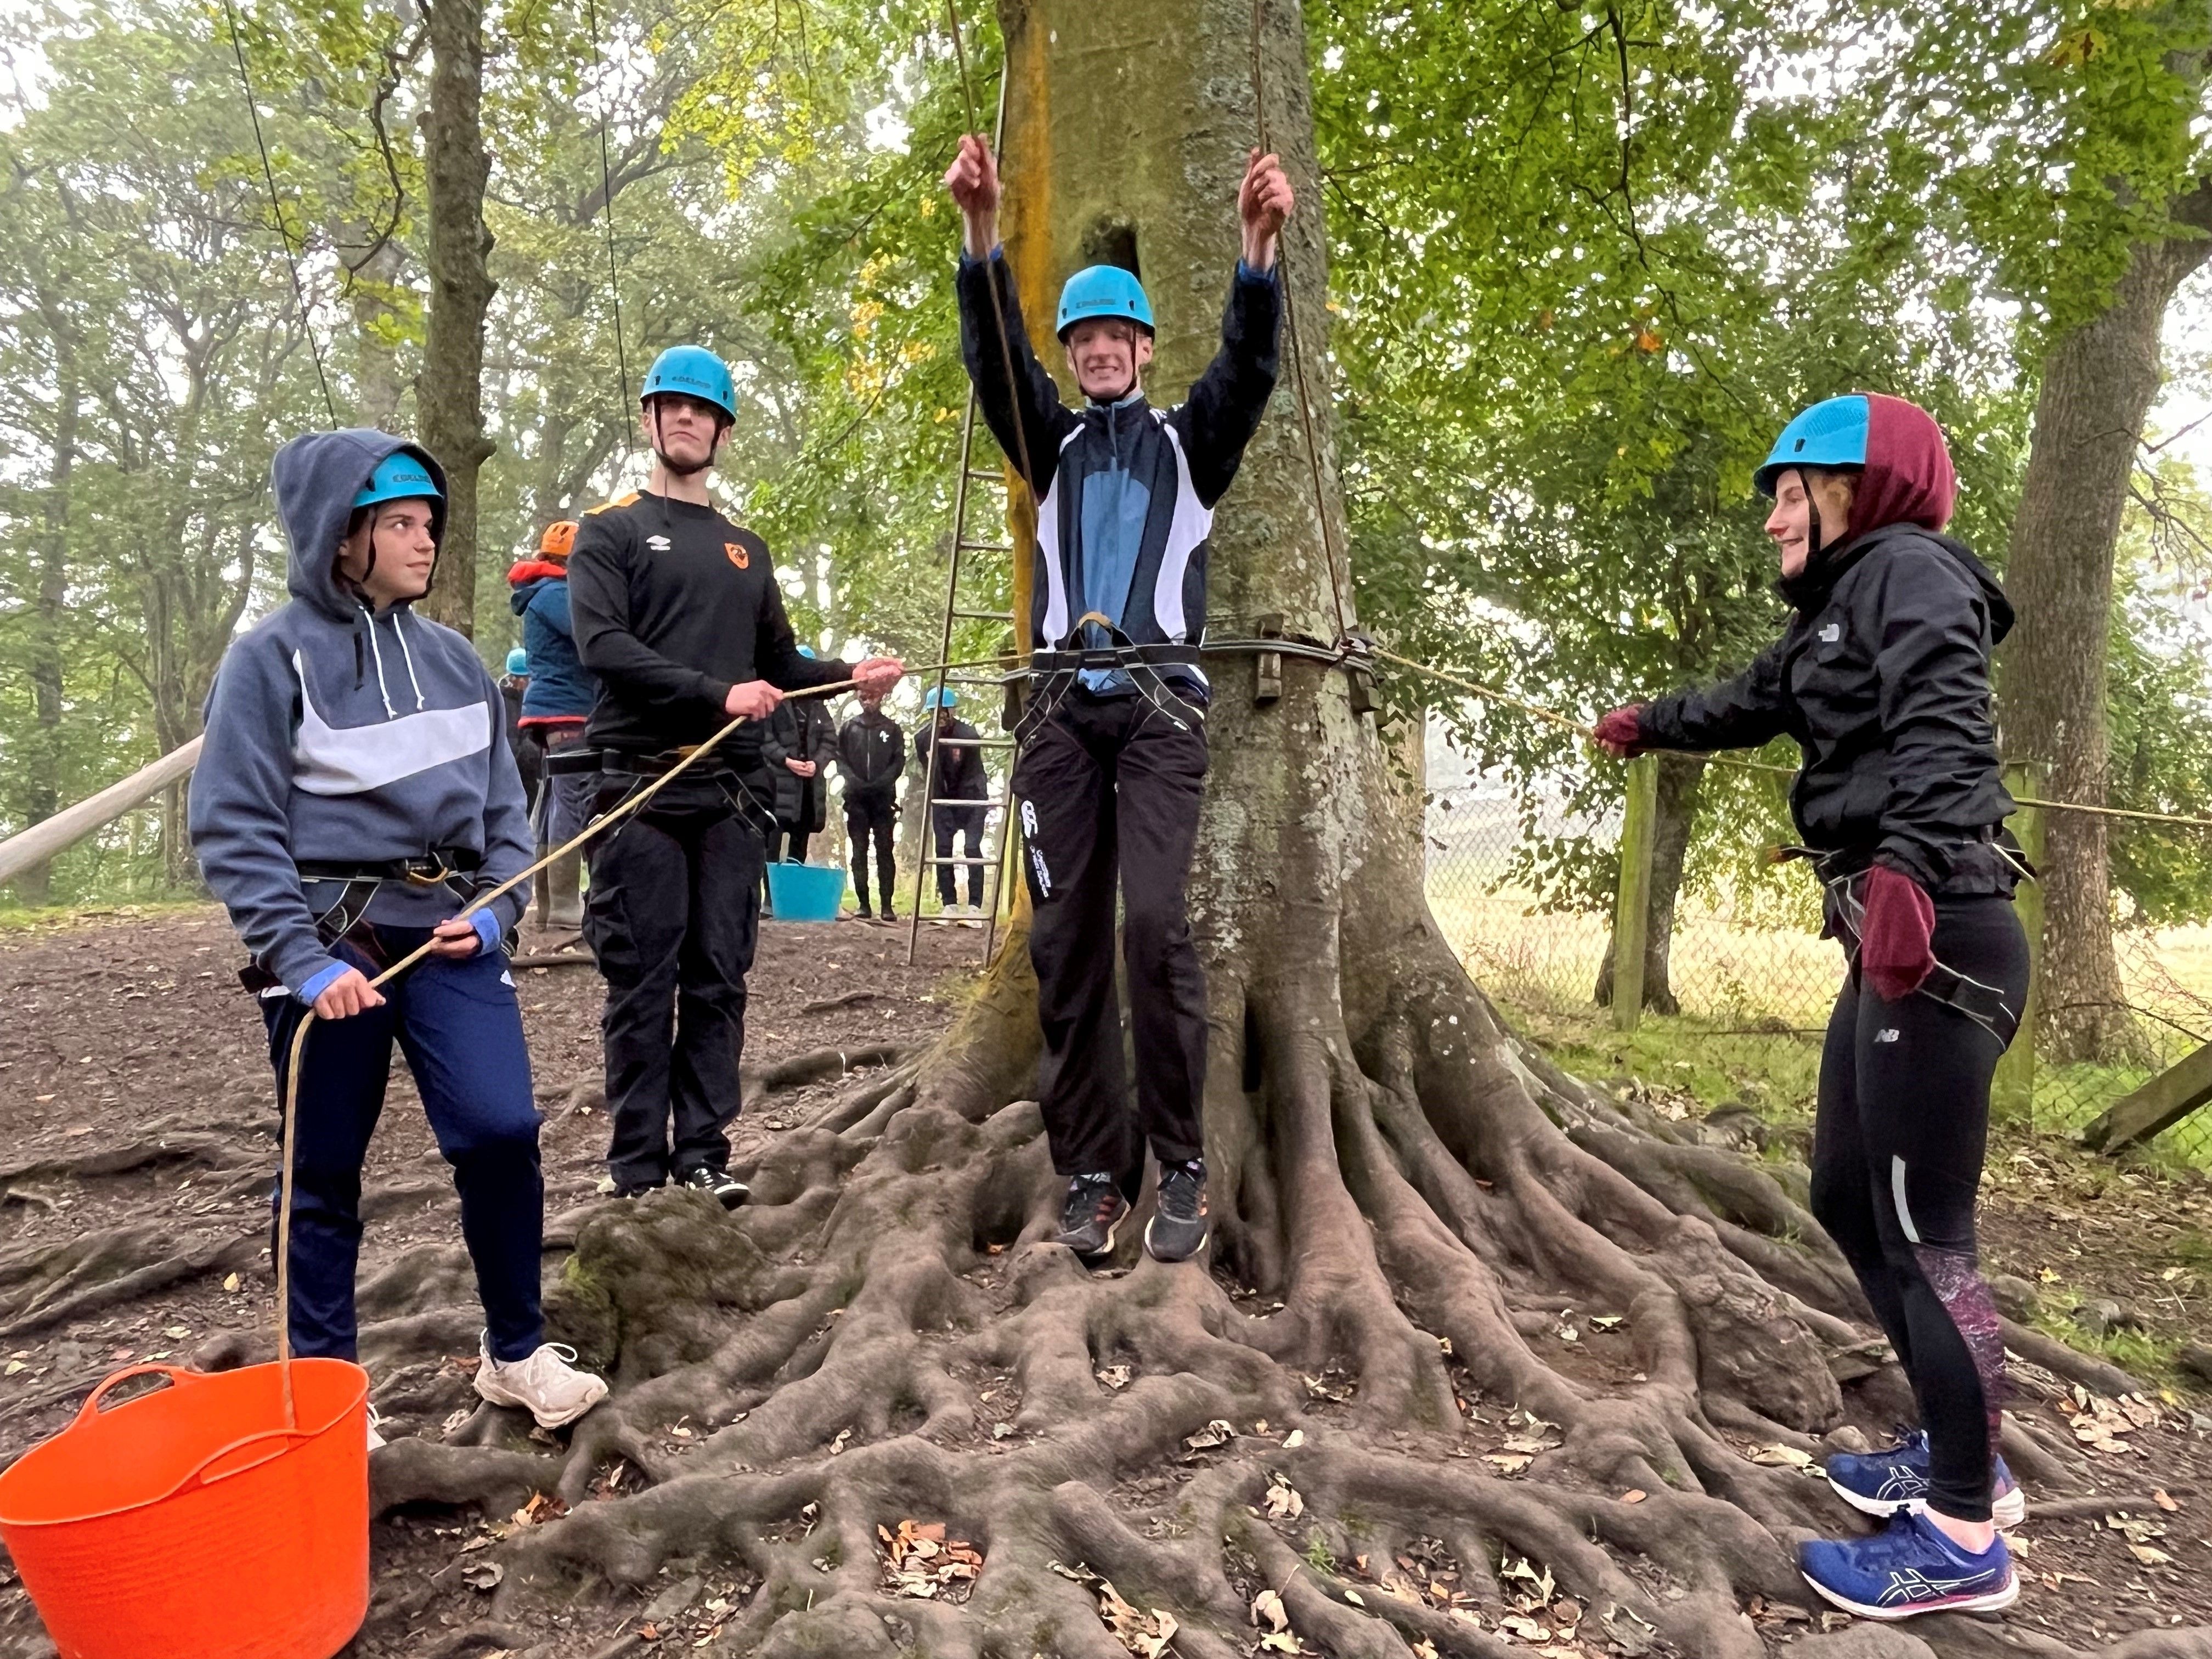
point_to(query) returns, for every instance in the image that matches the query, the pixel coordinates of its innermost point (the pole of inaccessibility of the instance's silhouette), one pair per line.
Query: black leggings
(1897, 1156)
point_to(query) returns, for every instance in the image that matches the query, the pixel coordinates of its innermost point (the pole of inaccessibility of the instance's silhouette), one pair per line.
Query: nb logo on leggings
(1887, 1034)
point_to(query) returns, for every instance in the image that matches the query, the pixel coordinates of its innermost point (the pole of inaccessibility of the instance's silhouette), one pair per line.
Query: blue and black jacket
(1126, 491)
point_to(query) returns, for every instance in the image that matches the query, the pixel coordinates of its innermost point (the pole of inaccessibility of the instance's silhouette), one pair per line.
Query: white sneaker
(547, 1383)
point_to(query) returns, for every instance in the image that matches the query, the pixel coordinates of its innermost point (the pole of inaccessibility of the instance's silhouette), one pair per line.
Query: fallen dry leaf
(1283, 1502)
(1634, 1495)
(482, 1574)
(1268, 1608)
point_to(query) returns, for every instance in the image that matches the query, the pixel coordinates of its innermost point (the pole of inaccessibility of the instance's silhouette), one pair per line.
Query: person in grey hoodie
(354, 788)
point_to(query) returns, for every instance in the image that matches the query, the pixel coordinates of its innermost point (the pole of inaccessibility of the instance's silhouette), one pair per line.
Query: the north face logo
(739, 556)
(1832, 633)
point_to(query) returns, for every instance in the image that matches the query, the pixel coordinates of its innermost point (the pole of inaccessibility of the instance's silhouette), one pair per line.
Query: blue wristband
(487, 929)
(320, 984)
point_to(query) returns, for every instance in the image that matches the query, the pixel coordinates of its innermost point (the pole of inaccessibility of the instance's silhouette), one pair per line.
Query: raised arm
(1224, 406)
(1031, 403)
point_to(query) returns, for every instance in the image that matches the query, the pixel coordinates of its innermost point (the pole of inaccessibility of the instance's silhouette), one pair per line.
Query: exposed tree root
(1410, 1209)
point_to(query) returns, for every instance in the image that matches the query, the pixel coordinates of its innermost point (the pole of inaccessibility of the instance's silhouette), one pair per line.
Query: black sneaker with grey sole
(1092, 1213)
(1177, 1230)
(719, 1185)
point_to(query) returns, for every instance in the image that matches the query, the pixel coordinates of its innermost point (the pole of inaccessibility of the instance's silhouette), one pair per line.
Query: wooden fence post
(2011, 1091)
(1631, 911)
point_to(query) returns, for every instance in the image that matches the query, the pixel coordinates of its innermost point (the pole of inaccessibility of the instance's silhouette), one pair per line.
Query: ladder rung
(984, 547)
(982, 861)
(972, 679)
(955, 800)
(976, 743)
(984, 616)
(991, 474)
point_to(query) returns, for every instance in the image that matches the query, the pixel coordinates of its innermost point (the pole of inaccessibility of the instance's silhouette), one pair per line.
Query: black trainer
(1094, 1209)
(719, 1185)
(1177, 1230)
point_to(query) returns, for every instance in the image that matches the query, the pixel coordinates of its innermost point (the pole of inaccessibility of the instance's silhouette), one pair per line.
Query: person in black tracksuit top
(1882, 678)
(960, 778)
(800, 741)
(678, 614)
(870, 756)
(1112, 768)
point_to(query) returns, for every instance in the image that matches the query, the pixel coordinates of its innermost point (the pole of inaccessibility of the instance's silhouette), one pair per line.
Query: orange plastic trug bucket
(193, 1523)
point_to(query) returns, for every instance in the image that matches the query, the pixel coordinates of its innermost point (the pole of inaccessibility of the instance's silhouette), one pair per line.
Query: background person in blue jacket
(355, 787)
(1113, 766)
(554, 707)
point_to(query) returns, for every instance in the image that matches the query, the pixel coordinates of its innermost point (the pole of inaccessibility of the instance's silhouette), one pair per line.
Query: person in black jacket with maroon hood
(1883, 676)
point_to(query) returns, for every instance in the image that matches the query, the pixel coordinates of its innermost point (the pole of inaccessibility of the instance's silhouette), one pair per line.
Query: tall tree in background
(2098, 383)
(449, 387)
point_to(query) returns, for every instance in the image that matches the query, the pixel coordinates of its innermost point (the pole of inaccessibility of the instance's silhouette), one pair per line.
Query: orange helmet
(558, 540)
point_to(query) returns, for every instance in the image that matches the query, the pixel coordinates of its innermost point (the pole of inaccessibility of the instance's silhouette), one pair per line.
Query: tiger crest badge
(739, 556)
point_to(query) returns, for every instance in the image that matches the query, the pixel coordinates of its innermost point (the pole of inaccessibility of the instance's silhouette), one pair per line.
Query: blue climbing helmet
(807, 651)
(942, 697)
(1103, 291)
(1832, 432)
(518, 661)
(689, 371)
(401, 476)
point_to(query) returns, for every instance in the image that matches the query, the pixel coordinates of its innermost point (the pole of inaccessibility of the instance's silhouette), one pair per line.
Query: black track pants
(1109, 785)
(1897, 1156)
(965, 823)
(873, 818)
(672, 914)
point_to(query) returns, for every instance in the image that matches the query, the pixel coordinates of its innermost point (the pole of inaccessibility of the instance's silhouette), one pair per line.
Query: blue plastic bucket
(804, 892)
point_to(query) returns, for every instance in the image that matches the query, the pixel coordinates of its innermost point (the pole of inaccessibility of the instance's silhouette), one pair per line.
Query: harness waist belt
(576, 757)
(1162, 655)
(423, 869)
(626, 764)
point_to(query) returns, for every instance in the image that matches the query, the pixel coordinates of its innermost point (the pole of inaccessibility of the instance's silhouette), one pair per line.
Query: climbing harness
(1985, 1005)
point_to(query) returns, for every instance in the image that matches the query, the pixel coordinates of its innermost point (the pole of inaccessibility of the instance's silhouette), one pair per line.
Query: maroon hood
(1908, 478)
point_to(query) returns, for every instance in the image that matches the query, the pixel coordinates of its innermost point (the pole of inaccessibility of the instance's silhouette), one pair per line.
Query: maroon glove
(1895, 952)
(1618, 733)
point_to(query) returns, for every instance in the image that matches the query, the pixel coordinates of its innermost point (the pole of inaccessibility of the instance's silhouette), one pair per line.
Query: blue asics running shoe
(1909, 1568)
(1892, 1482)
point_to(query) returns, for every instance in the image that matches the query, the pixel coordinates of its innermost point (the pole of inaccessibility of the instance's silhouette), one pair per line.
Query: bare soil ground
(137, 1124)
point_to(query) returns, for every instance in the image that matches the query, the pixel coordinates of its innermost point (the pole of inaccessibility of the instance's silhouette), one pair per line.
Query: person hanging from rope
(677, 613)
(962, 786)
(355, 790)
(1113, 761)
(870, 756)
(1882, 678)
(553, 709)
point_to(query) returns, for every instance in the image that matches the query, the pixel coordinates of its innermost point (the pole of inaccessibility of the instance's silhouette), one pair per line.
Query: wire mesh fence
(1749, 983)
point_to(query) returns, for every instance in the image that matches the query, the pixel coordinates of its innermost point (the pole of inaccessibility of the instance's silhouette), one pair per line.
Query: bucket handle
(178, 1376)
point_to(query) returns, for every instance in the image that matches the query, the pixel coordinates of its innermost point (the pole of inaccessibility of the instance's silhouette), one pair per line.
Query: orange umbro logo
(739, 556)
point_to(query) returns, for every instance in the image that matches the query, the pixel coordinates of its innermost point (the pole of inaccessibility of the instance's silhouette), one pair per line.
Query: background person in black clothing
(677, 613)
(960, 777)
(871, 756)
(801, 740)
(1110, 778)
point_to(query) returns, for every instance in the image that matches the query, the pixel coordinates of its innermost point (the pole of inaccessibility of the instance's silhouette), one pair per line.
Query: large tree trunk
(449, 391)
(42, 754)
(1679, 777)
(2098, 385)
(1409, 1204)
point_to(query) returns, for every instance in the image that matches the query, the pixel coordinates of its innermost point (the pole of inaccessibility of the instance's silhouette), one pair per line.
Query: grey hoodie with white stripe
(336, 735)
